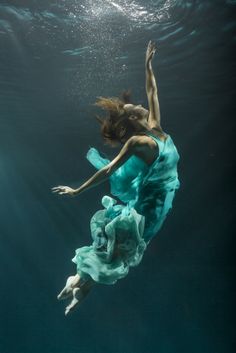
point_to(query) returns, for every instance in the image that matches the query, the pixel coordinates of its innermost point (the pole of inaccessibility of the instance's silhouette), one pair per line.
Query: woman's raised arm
(154, 118)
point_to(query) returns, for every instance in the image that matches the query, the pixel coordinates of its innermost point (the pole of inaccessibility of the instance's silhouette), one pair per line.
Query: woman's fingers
(62, 190)
(151, 46)
(151, 49)
(55, 189)
(58, 189)
(154, 46)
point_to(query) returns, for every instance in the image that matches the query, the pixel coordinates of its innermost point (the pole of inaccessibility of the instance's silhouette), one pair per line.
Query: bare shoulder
(136, 140)
(144, 147)
(140, 142)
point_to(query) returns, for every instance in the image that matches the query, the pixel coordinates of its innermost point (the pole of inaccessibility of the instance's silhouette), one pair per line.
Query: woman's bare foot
(77, 297)
(79, 293)
(66, 292)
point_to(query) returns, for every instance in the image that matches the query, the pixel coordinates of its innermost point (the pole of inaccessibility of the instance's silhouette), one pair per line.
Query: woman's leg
(72, 282)
(79, 293)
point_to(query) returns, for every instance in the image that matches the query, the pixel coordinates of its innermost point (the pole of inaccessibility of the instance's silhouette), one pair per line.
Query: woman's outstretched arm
(103, 174)
(151, 88)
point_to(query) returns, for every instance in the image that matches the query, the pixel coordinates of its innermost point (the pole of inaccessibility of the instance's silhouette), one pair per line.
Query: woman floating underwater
(143, 176)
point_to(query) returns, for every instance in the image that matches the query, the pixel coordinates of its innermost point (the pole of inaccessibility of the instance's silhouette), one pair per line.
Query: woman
(143, 176)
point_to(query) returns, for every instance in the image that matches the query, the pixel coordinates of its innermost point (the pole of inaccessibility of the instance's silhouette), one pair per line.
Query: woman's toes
(67, 311)
(77, 296)
(68, 308)
(66, 293)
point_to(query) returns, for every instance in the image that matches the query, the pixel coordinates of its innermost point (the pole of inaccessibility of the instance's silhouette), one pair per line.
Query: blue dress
(121, 232)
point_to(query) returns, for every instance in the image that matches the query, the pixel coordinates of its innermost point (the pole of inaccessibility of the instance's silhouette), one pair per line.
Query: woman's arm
(103, 174)
(151, 88)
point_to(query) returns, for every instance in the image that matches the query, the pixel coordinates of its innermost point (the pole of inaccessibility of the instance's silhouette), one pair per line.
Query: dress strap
(161, 144)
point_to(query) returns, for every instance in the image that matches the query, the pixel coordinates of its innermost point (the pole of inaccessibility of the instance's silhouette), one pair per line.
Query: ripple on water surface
(94, 42)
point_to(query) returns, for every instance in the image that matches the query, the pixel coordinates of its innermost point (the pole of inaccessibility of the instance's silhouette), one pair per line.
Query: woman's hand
(151, 49)
(63, 190)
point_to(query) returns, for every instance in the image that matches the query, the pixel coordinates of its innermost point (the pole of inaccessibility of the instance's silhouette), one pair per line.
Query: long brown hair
(115, 125)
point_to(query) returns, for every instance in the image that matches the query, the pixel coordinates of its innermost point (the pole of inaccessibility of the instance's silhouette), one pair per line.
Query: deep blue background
(56, 57)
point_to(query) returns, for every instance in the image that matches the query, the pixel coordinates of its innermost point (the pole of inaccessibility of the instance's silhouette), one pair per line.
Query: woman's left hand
(63, 190)
(150, 52)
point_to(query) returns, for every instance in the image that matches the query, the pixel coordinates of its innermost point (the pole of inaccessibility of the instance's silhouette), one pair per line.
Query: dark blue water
(56, 57)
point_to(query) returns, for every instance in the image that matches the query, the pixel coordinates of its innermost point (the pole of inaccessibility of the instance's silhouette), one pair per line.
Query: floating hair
(110, 125)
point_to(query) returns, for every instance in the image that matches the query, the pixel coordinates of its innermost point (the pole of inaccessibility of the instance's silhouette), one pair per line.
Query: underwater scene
(56, 59)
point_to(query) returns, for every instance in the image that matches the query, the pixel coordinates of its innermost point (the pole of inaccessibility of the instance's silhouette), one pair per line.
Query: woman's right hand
(63, 190)
(151, 49)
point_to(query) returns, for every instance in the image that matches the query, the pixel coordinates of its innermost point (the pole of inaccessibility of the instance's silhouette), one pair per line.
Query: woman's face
(137, 110)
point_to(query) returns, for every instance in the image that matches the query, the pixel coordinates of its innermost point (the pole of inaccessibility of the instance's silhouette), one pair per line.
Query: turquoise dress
(122, 231)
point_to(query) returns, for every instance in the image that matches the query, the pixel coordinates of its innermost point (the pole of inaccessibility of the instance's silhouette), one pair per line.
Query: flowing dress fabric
(121, 232)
